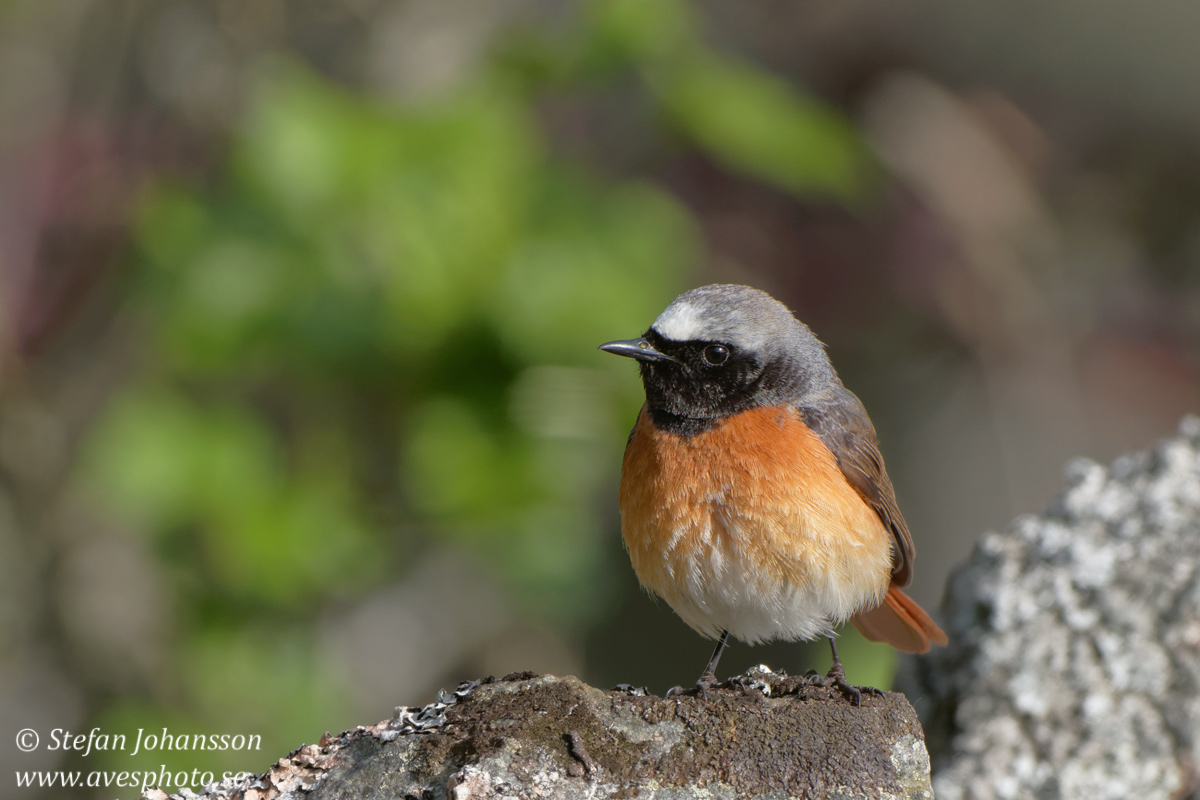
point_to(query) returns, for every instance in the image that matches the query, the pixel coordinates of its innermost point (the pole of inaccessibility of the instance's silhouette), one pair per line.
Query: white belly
(721, 589)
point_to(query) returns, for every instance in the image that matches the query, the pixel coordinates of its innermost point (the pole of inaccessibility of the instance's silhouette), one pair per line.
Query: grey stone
(1073, 669)
(528, 738)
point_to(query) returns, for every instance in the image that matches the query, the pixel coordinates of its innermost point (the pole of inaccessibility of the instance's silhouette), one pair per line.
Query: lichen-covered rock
(1073, 669)
(527, 737)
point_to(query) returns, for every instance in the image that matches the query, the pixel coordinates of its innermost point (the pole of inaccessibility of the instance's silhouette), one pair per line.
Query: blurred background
(301, 416)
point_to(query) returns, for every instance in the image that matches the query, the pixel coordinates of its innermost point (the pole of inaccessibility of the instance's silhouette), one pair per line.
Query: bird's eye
(715, 355)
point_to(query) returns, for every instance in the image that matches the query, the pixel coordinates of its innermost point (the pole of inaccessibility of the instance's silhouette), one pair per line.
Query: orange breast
(750, 525)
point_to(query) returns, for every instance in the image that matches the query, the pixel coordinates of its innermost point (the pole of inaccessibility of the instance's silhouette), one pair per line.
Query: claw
(837, 677)
(708, 678)
(705, 682)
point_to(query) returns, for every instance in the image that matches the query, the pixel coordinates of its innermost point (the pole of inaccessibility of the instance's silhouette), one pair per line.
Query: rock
(1073, 669)
(527, 737)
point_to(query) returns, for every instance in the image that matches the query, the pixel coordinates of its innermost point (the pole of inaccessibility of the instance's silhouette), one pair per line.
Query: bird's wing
(846, 430)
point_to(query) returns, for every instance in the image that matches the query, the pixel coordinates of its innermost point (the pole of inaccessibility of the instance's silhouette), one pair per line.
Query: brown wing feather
(846, 430)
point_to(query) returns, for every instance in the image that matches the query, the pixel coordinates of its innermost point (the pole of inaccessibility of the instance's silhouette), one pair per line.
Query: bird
(754, 499)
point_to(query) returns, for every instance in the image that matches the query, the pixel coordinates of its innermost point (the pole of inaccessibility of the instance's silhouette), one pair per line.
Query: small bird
(753, 498)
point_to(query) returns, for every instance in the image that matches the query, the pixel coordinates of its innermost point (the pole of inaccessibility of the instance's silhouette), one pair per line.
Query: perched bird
(754, 499)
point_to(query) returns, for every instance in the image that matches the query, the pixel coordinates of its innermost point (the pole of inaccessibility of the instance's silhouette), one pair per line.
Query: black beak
(635, 348)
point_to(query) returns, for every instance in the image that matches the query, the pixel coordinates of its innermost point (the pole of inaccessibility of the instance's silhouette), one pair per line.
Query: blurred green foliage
(751, 121)
(373, 334)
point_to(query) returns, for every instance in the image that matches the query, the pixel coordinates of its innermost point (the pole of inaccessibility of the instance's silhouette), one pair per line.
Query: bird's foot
(836, 677)
(705, 682)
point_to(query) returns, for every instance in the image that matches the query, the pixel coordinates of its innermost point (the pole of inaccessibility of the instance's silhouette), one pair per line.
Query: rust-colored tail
(900, 622)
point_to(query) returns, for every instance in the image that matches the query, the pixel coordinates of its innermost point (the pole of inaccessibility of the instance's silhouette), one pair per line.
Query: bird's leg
(708, 678)
(837, 677)
(837, 674)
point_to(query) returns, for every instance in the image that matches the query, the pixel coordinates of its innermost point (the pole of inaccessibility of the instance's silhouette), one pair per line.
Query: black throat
(686, 427)
(687, 395)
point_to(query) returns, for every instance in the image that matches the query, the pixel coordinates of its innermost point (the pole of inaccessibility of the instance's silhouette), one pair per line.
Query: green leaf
(757, 124)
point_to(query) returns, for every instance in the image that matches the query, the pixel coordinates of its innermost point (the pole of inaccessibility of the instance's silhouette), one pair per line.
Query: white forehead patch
(681, 322)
